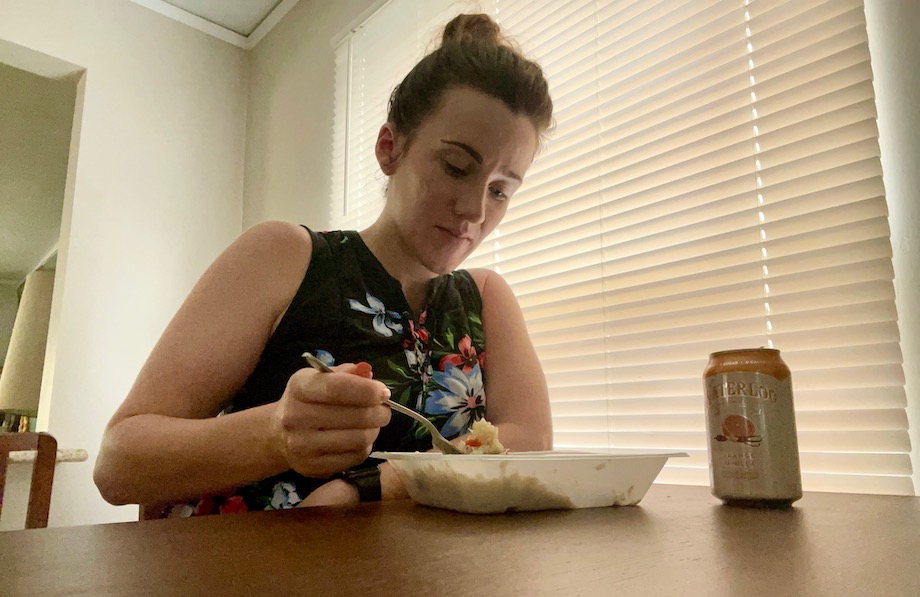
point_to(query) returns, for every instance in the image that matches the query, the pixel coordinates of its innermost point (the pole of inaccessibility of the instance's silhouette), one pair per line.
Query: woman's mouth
(457, 234)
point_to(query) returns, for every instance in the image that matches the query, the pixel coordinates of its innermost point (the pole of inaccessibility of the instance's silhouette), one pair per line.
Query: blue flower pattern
(460, 395)
(325, 356)
(385, 322)
(284, 496)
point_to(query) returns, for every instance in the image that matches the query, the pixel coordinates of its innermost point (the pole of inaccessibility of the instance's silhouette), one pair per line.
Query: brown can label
(753, 449)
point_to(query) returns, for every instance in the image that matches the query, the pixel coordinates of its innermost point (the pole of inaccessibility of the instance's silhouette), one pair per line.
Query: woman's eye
(454, 171)
(498, 194)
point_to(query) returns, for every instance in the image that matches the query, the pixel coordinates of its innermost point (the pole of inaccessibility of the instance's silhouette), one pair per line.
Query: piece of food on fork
(483, 439)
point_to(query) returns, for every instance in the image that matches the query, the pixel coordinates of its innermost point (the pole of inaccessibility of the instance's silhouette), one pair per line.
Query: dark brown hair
(474, 54)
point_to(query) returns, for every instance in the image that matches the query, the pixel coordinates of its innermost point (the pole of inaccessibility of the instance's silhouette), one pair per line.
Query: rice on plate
(487, 479)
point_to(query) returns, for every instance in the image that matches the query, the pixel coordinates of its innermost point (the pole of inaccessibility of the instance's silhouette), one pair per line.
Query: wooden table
(679, 541)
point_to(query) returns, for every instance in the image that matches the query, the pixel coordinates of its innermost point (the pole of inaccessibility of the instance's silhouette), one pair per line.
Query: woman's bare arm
(517, 398)
(164, 443)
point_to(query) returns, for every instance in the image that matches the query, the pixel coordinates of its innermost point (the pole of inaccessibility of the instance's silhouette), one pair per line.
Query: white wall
(289, 132)
(895, 48)
(156, 195)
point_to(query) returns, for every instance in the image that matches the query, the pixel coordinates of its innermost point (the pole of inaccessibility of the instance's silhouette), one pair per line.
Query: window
(713, 183)
(369, 63)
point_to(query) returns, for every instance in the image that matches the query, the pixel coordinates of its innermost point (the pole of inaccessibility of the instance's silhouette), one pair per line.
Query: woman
(462, 130)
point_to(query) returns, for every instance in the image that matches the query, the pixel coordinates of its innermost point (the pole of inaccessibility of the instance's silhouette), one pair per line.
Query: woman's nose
(471, 206)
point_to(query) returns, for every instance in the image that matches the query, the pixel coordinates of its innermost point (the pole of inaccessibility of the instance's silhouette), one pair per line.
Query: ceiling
(239, 16)
(240, 22)
(36, 117)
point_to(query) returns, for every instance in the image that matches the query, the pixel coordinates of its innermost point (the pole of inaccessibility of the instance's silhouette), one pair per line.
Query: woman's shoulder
(483, 278)
(278, 234)
(287, 242)
(496, 296)
(271, 256)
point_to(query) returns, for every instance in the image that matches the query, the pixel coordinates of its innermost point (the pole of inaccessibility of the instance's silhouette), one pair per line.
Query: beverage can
(750, 422)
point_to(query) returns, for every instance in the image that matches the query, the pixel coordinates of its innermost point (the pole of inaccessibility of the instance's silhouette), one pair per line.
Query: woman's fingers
(338, 388)
(328, 464)
(331, 441)
(361, 369)
(327, 416)
(327, 422)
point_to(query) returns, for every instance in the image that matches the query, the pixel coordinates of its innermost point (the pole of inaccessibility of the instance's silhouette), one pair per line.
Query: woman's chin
(444, 257)
(440, 270)
(444, 265)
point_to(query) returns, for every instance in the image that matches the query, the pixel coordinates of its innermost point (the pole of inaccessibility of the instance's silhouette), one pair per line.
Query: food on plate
(473, 494)
(483, 439)
(524, 481)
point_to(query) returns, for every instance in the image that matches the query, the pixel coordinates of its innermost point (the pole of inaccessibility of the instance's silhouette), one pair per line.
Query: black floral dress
(349, 309)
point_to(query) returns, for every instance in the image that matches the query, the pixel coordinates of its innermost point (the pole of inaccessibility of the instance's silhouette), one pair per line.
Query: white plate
(494, 483)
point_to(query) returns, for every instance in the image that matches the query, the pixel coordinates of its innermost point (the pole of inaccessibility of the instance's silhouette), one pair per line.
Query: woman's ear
(388, 149)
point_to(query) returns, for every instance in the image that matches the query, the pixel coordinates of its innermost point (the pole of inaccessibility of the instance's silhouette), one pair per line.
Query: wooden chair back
(42, 472)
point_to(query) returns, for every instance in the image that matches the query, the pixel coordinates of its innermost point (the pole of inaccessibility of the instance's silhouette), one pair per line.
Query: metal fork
(438, 441)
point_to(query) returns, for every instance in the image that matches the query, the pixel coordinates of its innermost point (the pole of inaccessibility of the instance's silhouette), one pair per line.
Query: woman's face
(451, 186)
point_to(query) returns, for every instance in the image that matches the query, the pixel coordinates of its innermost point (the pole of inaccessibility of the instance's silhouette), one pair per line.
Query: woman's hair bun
(472, 28)
(473, 53)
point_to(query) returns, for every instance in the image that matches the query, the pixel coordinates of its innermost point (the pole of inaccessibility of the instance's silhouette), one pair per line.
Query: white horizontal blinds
(680, 240)
(548, 247)
(829, 297)
(369, 64)
(616, 245)
(713, 183)
(338, 207)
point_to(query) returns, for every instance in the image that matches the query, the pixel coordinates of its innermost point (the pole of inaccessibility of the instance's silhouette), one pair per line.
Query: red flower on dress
(467, 359)
(419, 333)
(205, 506)
(233, 505)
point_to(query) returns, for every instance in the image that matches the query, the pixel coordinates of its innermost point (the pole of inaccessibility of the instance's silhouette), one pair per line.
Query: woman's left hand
(341, 493)
(334, 493)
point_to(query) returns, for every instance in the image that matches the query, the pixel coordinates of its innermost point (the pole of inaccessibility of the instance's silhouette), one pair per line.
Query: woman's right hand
(325, 423)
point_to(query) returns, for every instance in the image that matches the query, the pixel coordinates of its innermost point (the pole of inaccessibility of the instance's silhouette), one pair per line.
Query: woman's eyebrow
(473, 153)
(478, 157)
